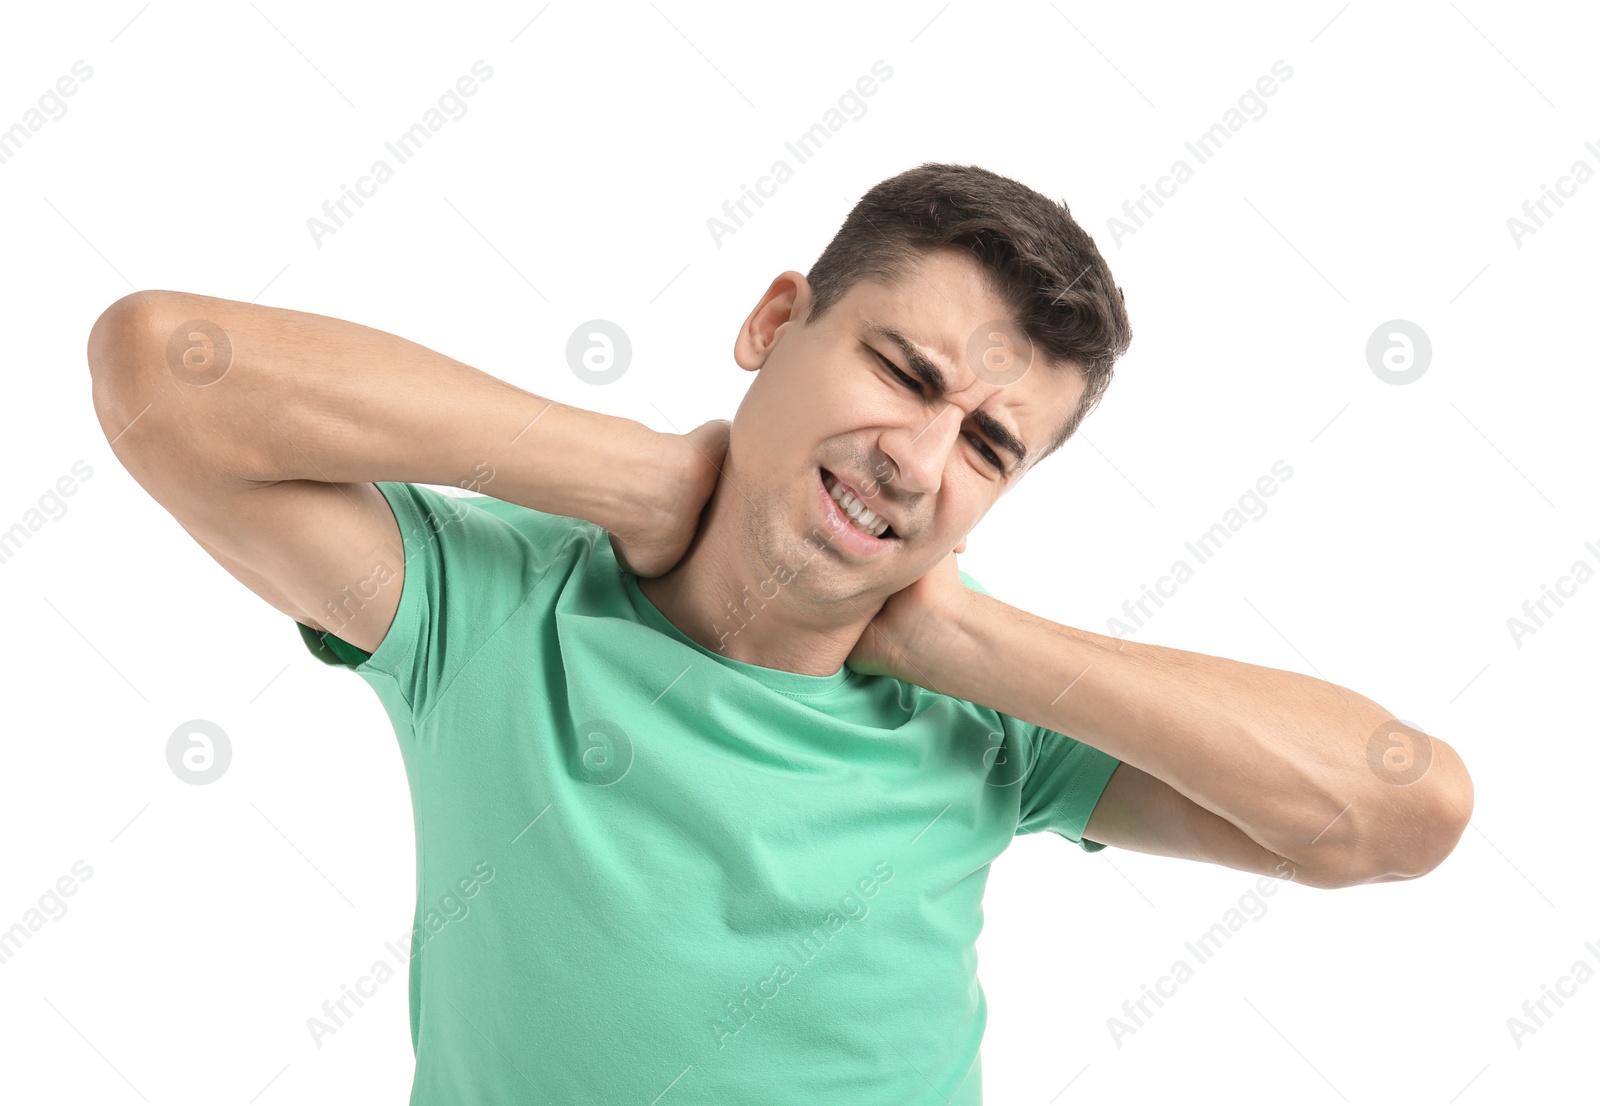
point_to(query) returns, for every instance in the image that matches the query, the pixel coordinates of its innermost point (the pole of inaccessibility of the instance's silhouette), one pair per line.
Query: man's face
(830, 398)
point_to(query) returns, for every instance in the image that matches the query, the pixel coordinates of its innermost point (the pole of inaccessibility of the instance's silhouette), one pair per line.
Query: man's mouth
(859, 514)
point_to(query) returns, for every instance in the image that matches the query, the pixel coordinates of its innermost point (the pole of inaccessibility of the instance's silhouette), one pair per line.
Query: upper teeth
(859, 513)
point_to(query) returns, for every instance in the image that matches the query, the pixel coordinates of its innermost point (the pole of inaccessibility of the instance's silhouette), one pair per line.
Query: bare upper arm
(329, 555)
(1146, 814)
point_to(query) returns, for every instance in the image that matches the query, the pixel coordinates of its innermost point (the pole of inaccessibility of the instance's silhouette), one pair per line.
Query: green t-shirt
(650, 873)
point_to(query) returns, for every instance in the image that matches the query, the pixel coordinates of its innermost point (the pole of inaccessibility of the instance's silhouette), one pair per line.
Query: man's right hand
(693, 463)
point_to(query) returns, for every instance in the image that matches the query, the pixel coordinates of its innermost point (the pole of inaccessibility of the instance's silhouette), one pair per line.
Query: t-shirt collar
(776, 678)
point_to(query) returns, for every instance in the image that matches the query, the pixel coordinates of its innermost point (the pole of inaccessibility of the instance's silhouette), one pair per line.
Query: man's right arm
(268, 459)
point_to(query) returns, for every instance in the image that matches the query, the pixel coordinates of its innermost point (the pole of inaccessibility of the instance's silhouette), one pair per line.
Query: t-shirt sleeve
(1064, 781)
(1064, 778)
(470, 562)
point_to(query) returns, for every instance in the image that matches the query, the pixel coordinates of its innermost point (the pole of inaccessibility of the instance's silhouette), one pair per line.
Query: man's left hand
(903, 638)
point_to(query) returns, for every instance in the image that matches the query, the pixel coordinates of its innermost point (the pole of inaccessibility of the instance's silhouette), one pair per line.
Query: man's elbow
(1451, 811)
(1431, 835)
(129, 326)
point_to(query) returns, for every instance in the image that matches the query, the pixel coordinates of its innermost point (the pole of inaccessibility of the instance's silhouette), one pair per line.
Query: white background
(1419, 518)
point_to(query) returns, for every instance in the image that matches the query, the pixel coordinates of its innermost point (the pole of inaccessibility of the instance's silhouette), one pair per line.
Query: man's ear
(961, 547)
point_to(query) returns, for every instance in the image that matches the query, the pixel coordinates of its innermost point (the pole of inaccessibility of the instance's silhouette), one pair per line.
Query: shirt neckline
(777, 679)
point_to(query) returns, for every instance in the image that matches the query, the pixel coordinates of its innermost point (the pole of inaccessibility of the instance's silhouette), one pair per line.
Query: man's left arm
(1233, 763)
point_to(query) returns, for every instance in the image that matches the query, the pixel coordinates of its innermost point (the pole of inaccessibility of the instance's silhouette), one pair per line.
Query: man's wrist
(955, 658)
(650, 475)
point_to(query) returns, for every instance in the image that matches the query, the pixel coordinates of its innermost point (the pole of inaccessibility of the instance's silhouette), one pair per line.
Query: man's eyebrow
(934, 378)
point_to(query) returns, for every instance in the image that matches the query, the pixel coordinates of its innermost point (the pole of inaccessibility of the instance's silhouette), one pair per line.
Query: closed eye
(916, 386)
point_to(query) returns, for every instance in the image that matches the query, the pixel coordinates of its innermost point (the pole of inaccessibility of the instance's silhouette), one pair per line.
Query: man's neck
(746, 613)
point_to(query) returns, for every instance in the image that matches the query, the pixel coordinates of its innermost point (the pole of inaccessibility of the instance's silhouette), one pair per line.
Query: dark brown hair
(1042, 264)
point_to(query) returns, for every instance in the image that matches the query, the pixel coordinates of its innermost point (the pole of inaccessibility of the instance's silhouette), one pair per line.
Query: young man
(710, 742)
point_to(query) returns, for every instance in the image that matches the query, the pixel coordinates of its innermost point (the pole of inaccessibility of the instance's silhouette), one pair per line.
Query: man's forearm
(308, 397)
(1282, 756)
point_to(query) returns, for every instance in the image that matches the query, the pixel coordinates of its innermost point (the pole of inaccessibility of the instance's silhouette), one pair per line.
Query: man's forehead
(930, 307)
